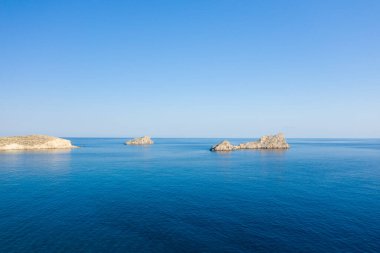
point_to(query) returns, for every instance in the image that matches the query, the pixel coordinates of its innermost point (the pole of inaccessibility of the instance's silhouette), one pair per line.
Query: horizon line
(123, 137)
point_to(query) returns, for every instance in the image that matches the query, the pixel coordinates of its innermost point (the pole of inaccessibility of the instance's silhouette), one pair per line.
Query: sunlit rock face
(223, 146)
(34, 142)
(277, 141)
(145, 140)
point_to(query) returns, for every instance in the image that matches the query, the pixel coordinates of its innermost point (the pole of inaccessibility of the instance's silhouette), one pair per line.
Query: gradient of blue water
(176, 196)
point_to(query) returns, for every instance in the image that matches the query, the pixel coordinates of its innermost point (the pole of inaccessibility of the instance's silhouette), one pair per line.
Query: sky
(206, 68)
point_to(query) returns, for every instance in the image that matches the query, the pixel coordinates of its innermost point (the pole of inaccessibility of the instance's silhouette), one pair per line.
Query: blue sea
(322, 195)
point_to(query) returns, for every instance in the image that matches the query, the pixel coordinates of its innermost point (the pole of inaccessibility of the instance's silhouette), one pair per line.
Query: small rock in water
(145, 140)
(223, 146)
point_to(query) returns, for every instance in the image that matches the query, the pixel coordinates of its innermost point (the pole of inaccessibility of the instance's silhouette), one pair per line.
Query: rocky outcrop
(145, 140)
(277, 141)
(223, 146)
(34, 142)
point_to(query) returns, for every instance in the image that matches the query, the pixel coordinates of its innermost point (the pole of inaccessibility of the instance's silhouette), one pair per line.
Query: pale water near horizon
(322, 195)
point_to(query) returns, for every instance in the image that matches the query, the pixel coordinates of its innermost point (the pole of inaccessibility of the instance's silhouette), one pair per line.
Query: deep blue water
(322, 195)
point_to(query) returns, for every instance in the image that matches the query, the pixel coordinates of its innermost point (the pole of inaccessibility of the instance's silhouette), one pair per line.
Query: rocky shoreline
(37, 142)
(34, 142)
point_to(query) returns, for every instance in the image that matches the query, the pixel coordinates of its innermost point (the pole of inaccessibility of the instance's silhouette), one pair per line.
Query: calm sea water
(322, 195)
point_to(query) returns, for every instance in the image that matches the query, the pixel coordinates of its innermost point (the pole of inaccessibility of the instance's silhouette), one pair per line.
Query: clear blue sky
(190, 68)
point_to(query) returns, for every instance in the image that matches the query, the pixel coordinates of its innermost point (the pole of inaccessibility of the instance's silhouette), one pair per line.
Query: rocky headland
(34, 142)
(145, 140)
(277, 141)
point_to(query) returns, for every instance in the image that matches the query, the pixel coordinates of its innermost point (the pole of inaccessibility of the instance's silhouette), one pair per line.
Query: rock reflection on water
(272, 152)
(44, 160)
(20, 151)
(248, 157)
(263, 152)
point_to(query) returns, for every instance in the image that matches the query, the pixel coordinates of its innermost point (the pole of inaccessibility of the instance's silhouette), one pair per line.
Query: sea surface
(322, 195)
